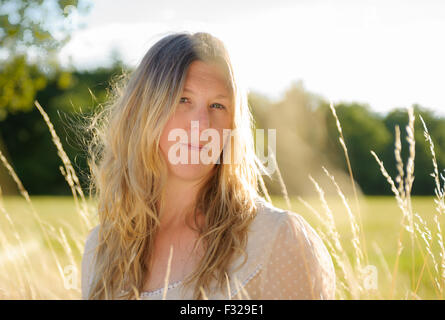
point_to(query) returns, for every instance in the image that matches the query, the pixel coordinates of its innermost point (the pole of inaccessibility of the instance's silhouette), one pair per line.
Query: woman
(180, 229)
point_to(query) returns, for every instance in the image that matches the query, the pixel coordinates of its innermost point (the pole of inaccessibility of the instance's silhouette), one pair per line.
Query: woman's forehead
(210, 75)
(206, 70)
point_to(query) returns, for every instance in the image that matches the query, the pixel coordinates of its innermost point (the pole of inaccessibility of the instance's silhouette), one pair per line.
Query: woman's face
(205, 107)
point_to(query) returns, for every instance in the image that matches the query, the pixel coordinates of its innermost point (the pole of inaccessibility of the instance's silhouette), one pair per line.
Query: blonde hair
(128, 172)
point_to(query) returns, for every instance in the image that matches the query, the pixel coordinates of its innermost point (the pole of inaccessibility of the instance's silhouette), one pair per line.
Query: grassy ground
(382, 247)
(381, 219)
(42, 278)
(28, 260)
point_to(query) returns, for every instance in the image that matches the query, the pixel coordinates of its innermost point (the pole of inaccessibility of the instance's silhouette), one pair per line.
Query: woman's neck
(179, 199)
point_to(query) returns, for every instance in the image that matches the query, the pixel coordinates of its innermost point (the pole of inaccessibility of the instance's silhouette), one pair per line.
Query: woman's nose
(199, 123)
(202, 117)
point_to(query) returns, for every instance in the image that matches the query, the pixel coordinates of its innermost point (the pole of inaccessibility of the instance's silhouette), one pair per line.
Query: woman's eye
(220, 106)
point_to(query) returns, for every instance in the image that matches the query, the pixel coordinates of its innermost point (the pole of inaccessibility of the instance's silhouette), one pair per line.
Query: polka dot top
(286, 260)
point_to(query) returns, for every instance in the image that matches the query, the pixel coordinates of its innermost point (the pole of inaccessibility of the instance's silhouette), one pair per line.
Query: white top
(286, 259)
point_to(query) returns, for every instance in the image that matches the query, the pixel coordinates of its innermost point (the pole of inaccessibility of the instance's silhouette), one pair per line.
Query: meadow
(381, 222)
(382, 247)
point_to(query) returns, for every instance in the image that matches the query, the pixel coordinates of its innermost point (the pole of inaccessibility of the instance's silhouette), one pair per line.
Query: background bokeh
(372, 59)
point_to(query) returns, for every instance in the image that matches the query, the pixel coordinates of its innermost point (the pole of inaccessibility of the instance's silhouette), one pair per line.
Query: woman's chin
(191, 171)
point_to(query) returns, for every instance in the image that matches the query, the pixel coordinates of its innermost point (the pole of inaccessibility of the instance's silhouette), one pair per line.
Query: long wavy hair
(128, 172)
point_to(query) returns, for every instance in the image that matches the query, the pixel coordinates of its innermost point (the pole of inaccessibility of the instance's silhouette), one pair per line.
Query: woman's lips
(193, 147)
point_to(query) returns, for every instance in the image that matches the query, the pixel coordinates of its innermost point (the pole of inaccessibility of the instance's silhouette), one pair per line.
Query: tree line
(306, 136)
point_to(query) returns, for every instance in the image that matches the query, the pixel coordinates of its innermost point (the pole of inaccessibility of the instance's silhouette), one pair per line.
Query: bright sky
(385, 53)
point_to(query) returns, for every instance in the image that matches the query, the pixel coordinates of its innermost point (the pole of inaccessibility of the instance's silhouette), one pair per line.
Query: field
(382, 247)
(381, 219)
(381, 224)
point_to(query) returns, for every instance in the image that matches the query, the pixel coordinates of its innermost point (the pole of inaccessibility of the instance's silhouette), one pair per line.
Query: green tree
(31, 33)
(27, 138)
(363, 131)
(423, 183)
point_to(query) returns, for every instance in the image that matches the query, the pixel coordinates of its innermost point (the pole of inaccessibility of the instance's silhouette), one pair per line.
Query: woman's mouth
(195, 147)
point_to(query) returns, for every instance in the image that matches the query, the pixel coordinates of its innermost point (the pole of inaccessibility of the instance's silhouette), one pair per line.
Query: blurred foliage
(28, 141)
(423, 183)
(306, 137)
(31, 33)
(363, 131)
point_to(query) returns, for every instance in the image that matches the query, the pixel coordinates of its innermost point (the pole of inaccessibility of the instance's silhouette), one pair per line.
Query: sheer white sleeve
(298, 267)
(88, 260)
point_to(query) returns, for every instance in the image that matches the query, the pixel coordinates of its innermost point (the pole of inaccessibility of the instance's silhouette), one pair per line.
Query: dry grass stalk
(399, 162)
(229, 294)
(340, 254)
(341, 286)
(167, 274)
(281, 181)
(409, 183)
(315, 212)
(425, 234)
(68, 172)
(402, 194)
(382, 259)
(441, 254)
(24, 255)
(440, 204)
(67, 248)
(264, 189)
(204, 295)
(354, 228)
(401, 205)
(25, 195)
(136, 292)
(241, 293)
(245, 293)
(45, 227)
(348, 162)
(9, 259)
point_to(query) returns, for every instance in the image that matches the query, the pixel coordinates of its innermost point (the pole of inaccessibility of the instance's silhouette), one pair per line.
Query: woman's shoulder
(91, 241)
(267, 212)
(92, 235)
(88, 259)
(294, 243)
(262, 231)
(288, 229)
(270, 216)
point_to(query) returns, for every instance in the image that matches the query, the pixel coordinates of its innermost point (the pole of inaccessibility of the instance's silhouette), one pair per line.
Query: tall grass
(45, 264)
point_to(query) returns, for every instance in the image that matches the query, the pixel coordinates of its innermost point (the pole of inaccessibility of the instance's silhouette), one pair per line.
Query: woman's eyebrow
(217, 96)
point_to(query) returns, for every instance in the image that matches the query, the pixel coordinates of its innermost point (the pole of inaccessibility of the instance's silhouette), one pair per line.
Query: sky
(386, 54)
